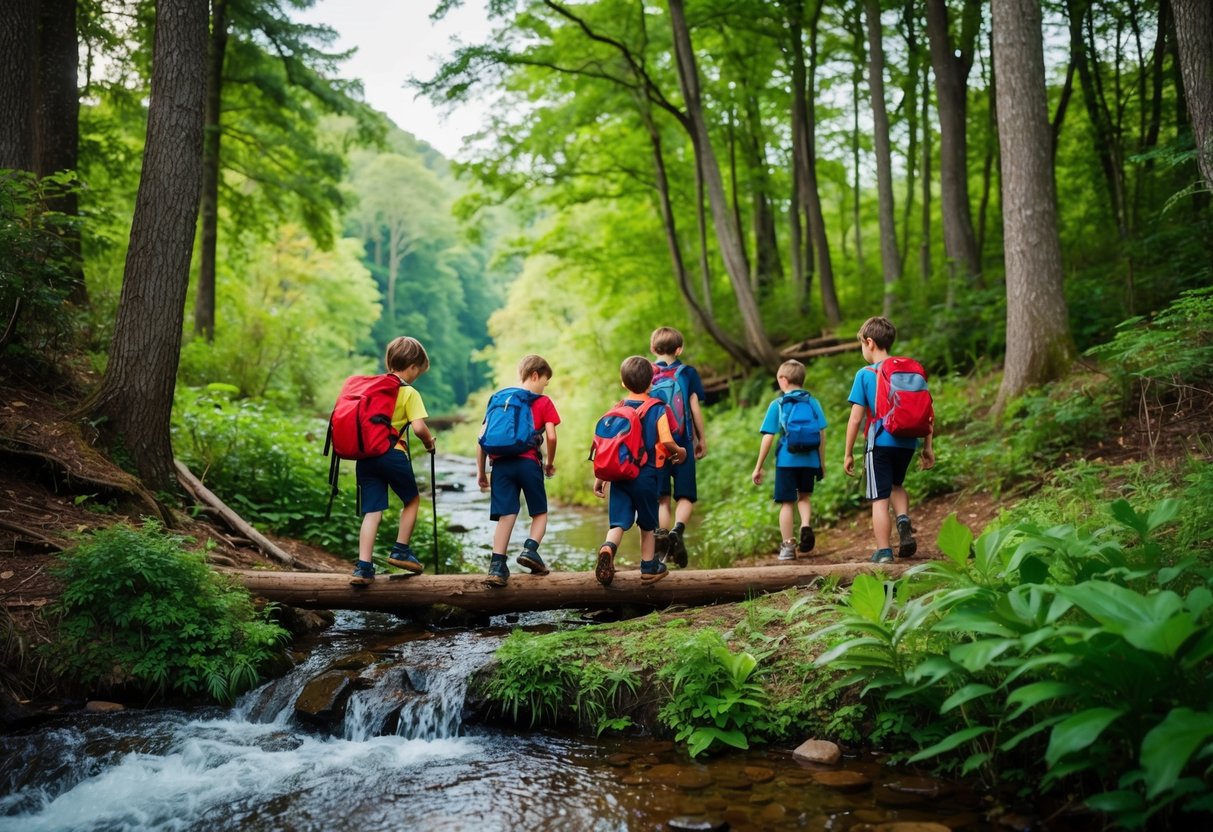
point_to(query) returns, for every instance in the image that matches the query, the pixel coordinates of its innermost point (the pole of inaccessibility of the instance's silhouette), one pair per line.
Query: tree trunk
(204, 294)
(924, 251)
(1039, 344)
(18, 36)
(890, 259)
(987, 165)
(136, 393)
(727, 232)
(1194, 33)
(768, 264)
(951, 62)
(558, 590)
(910, 93)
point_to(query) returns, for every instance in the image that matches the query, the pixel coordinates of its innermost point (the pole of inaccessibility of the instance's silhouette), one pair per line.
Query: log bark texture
(526, 593)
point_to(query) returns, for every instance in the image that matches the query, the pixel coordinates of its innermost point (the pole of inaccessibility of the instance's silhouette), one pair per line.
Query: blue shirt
(783, 457)
(863, 393)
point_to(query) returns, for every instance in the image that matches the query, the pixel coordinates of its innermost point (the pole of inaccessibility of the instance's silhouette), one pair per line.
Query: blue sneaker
(530, 559)
(364, 573)
(403, 558)
(883, 556)
(499, 573)
(652, 571)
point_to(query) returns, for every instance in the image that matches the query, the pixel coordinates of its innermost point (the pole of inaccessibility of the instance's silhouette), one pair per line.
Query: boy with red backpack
(891, 395)
(631, 443)
(405, 360)
(680, 387)
(517, 422)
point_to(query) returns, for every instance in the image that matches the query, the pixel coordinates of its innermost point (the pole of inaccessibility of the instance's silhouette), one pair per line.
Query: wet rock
(691, 779)
(773, 813)
(740, 817)
(633, 780)
(716, 804)
(620, 760)
(97, 706)
(322, 700)
(354, 661)
(822, 752)
(758, 774)
(869, 816)
(925, 786)
(886, 796)
(843, 781)
(697, 824)
(300, 622)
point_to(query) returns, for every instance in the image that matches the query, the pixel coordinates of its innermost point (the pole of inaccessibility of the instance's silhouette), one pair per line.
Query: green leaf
(1078, 732)
(868, 597)
(966, 694)
(1116, 802)
(977, 655)
(956, 740)
(1029, 696)
(955, 540)
(1163, 513)
(1169, 745)
(1124, 513)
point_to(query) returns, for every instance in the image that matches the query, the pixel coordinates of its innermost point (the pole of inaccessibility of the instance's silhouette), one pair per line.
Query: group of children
(659, 492)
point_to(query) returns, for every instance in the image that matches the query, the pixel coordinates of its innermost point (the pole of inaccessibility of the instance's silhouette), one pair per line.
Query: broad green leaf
(1029, 696)
(975, 761)
(1116, 802)
(956, 740)
(932, 670)
(1125, 514)
(976, 655)
(1170, 573)
(1078, 732)
(966, 694)
(1063, 659)
(1030, 731)
(1163, 513)
(1169, 745)
(868, 597)
(1198, 600)
(954, 540)
(1033, 570)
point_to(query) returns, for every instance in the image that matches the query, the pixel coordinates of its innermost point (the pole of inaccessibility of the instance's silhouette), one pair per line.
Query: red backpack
(618, 451)
(903, 404)
(360, 426)
(668, 387)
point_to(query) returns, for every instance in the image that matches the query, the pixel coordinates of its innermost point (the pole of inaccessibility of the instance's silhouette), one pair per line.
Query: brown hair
(636, 373)
(793, 371)
(665, 340)
(881, 330)
(531, 364)
(405, 352)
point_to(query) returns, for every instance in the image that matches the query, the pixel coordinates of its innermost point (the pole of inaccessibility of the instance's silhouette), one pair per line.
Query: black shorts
(514, 476)
(884, 468)
(791, 482)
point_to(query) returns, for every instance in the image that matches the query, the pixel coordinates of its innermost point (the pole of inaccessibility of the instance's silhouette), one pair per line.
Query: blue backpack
(668, 388)
(509, 426)
(798, 421)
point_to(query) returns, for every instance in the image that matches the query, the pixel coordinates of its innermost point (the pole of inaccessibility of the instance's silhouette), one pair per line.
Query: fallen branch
(203, 495)
(31, 534)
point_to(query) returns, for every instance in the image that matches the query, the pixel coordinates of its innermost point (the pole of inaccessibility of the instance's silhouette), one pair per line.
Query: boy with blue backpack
(680, 387)
(517, 423)
(632, 441)
(891, 393)
(797, 419)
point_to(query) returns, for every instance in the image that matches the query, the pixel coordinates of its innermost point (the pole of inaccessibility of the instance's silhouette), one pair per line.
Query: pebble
(843, 781)
(823, 752)
(97, 706)
(759, 774)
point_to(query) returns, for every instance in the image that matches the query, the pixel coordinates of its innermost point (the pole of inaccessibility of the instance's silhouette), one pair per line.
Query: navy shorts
(634, 501)
(791, 482)
(376, 474)
(885, 467)
(511, 477)
(683, 477)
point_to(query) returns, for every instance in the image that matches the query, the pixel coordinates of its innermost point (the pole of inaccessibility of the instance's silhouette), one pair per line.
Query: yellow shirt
(408, 408)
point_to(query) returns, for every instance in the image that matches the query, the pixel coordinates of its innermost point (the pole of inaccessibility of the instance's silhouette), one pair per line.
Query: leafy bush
(139, 608)
(1082, 651)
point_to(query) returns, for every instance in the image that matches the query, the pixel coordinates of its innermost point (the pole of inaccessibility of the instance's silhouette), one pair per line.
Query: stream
(398, 755)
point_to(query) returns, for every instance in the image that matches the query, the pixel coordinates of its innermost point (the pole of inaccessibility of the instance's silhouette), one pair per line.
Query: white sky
(397, 40)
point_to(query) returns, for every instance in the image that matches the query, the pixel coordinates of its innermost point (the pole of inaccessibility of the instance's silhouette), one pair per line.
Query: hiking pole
(434, 505)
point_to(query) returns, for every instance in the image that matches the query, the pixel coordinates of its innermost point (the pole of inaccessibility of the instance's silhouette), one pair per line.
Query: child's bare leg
(367, 533)
(539, 527)
(881, 524)
(663, 512)
(501, 537)
(682, 512)
(646, 545)
(408, 519)
(805, 507)
(615, 535)
(785, 521)
(900, 501)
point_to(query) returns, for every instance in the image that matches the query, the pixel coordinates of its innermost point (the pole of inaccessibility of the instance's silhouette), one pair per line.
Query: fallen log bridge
(528, 593)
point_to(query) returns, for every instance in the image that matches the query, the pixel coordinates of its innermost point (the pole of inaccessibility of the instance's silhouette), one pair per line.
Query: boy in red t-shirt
(522, 475)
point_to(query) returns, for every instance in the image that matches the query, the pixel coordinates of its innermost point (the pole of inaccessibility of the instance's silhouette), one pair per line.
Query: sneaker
(661, 544)
(531, 560)
(652, 571)
(807, 540)
(405, 560)
(787, 550)
(499, 573)
(605, 570)
(364, 573)
(882, 556)
(907, 546)
(678, 549)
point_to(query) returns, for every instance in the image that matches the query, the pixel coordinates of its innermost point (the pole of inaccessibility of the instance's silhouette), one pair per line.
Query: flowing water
(399, 755)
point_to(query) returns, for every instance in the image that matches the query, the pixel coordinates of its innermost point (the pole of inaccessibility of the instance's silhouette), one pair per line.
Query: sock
(494, 557)
(531, 543)
(399, 548)
(614, 548)
(904, 517)
(890, 551)
(679, 528)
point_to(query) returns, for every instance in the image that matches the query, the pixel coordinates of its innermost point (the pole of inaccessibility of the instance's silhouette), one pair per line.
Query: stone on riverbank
(822, 752)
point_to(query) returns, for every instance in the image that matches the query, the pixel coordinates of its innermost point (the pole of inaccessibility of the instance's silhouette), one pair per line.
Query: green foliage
(138, 608)
(1078, 650)
(37, 265)
(715, 700)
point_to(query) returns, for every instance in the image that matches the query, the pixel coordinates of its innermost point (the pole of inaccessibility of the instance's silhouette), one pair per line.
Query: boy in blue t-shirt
(886, 457)
(795, 470)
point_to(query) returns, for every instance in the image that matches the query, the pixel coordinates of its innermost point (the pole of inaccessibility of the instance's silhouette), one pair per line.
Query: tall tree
(136, 392)
(18, 34)
(1194, 32)
(1040, 347)
(951, 60)
(890, 258)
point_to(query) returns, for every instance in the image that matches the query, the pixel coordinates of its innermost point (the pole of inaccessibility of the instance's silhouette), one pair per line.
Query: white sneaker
(787, 550)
